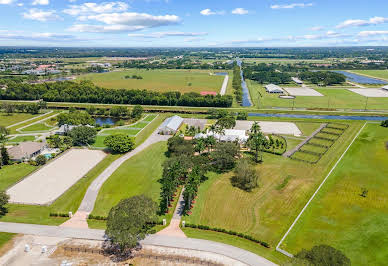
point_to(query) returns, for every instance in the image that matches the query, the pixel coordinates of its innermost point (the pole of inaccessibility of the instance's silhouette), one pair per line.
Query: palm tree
(256, 140)
(200, 145)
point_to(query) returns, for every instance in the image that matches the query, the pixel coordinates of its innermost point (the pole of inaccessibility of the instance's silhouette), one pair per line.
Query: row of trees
(184, 63)
(236, 83)
(263, 73)
(86, 91)
(324, 78)
(31, 108)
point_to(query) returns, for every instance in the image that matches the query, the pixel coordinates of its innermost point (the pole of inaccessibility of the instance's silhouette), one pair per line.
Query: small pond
(360, 79)
(102, 121)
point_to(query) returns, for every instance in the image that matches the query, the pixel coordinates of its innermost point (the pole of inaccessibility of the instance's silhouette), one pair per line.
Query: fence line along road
(315, 193)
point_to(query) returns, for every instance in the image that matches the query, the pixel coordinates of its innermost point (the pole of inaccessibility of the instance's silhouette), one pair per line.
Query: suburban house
(272, 88)
(26, 150)
(171, 125)
(228, 135)
(64, 129)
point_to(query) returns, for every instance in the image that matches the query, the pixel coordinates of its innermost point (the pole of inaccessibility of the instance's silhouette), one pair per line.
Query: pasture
(381, 74)
(332, 98)
(138, 175)
(161, 80)
(8, 120)
(339, 216)
(267, 211)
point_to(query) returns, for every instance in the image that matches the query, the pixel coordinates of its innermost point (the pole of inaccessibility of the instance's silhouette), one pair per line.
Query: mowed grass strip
(339, 216)
(382, 74)
(138, 175)
(158, 80)
(265, 213)
(22, 139)
(10, 174)
(37, 127)
(7, 120)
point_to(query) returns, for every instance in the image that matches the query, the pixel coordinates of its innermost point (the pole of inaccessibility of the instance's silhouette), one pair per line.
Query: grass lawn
(382, 74)
(158, 80)
(339, 216)
(37, 127)
(272, 255)
(266, 212)
(149, 117)
(10, 174)
(5, 238)
(138, 175)
(333, 98)
(13, 129)
(7, 120)
(115, 131)
(22, 139)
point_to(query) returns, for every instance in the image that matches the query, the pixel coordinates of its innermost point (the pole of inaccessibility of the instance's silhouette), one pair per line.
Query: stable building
(297, 81)
(229, 135)
(272, 88)
(171, 125)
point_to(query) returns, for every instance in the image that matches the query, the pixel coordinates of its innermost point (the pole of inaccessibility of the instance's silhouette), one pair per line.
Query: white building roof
(273, 88)
(229, 135)
(385, 88)
(296, 80)
(172, 123)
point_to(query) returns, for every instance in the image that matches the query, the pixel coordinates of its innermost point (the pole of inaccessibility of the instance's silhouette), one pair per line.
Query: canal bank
(246, 101)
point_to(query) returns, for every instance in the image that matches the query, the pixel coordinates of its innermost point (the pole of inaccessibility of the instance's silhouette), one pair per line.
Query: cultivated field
(333, 98)
(339, 216)
(159, 80)
(266, 212)
(49, 182)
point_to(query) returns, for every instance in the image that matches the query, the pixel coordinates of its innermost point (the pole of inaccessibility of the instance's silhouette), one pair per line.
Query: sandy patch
(281, 128)
(53, 179)
(302, 92)
(375, 93)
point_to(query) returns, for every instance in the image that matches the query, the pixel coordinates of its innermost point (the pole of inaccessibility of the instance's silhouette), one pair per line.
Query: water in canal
(246, 101)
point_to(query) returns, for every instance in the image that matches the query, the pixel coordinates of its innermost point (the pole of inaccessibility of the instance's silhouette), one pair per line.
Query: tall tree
(256, 140)
(129, 221)
(4, 156)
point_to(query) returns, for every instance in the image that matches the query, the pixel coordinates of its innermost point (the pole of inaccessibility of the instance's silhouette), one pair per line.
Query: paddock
(281, 128)
(375, 93)
(52, 180)
(302, 92)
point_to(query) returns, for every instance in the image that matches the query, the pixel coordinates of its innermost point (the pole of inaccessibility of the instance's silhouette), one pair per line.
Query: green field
(339, 216)
(333, 98)
(137, 175)
(10, 174)
(7, 120)
(36, 128)
(22, 139)
(381, 74)
(266, 212)
(5, 238)
(158, 80)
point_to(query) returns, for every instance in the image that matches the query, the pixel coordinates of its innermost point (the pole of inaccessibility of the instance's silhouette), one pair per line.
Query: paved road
(224, 85)
(155, 240)
(90, 197)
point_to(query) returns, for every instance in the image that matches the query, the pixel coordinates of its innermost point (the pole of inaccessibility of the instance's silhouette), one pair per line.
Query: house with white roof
(229, 135)
(297, 81)
(272, 88)
(171, 125)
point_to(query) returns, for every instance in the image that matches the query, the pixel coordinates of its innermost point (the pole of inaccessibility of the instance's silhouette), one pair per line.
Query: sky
(193, 23)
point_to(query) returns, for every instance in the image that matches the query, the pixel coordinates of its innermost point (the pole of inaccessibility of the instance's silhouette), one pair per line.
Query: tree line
(87, 92)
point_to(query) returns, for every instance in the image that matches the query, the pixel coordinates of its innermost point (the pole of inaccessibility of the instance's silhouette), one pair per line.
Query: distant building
(26, 150)
(229, 135)
(171, 125)
(272, 88)
(297, 81)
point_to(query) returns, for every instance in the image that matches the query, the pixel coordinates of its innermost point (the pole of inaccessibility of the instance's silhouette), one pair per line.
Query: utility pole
(366, 103)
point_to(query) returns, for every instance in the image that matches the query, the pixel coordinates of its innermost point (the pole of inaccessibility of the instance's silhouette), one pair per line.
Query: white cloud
(361, 22)
(193, 39)
(209, 12)
(372, 33)
(40, 2)
(290, 6)
(45, 36)
(6, 2)
(40, 15)
(240, 11)
(135, 19)
(317, 28)
(168, 34)
(104, 28)
(88, 8)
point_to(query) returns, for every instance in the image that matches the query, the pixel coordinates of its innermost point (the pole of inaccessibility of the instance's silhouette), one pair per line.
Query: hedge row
(103, 218)
(58, 214)
(229, 232)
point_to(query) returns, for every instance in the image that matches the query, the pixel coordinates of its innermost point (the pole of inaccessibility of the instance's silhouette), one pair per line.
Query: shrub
(41, 160)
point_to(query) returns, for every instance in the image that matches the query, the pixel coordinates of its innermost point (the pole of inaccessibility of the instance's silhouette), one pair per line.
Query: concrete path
(355, 84)
(173, 229)
(154, 240)
(90, 197)
(224, 85)
(24, 121)
(79, 220)
(291, 152)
